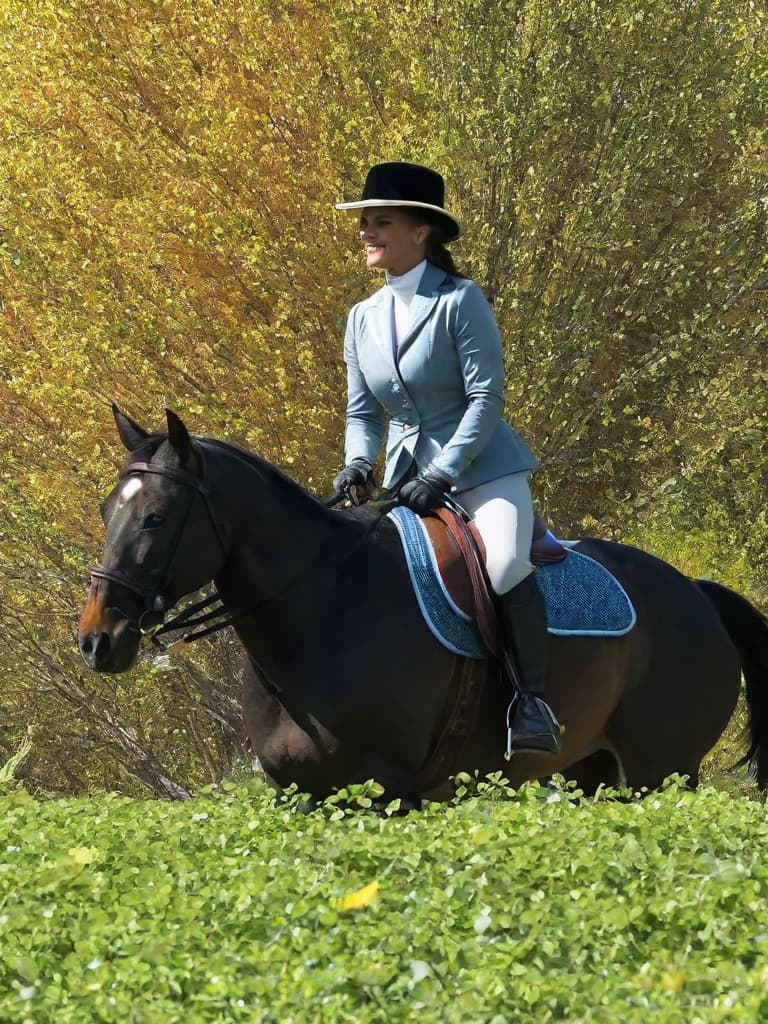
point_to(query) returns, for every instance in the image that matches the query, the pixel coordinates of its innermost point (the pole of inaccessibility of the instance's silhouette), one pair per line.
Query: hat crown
(408, 183)
(413, 187)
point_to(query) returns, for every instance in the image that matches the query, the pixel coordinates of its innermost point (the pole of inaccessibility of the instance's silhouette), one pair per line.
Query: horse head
(162, 541)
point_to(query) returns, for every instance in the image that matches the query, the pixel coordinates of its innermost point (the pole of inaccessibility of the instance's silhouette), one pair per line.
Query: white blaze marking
(132, 487)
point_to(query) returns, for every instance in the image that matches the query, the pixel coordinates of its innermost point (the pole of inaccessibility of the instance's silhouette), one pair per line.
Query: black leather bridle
(150, 622)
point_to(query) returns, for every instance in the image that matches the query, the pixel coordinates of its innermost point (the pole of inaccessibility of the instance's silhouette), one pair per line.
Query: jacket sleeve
(366, 420)
(478, 344)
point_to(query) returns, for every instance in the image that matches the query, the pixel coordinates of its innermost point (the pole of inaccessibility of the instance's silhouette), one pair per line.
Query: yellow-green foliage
(168, 238)
(502, 907)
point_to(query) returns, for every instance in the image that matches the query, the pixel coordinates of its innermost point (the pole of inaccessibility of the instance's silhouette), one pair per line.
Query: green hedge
(498, 908)
(168, 237)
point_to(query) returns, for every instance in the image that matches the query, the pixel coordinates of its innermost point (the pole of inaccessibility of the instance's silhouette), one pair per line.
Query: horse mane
(256, 462)
(152, 443)
(363, 514)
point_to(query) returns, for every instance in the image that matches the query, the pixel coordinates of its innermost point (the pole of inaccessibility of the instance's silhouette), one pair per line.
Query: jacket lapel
(422, 305)
(379, 321)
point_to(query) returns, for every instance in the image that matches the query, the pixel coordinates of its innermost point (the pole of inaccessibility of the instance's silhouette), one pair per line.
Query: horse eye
(152, 521)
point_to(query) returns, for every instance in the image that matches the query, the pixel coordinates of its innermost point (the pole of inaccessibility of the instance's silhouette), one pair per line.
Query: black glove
(425, 491)
(353, 481)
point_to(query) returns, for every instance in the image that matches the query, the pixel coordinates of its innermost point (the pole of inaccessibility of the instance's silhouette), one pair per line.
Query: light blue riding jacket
(442, 388)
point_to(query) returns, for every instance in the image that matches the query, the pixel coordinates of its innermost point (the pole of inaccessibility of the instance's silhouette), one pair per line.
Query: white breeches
(503, 513)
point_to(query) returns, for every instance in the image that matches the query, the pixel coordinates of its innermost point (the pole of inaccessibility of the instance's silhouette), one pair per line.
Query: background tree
(168, 238)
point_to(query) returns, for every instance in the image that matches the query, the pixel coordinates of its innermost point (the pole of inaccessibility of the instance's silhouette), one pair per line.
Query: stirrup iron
(509, 753)
(556, 728)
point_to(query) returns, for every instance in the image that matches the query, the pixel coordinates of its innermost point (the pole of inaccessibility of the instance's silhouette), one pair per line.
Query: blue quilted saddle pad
(582, 597)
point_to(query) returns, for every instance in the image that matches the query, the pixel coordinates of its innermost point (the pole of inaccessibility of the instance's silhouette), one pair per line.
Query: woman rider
(425, 353)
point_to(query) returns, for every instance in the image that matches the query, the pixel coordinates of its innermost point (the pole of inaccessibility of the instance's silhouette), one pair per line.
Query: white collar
(405, 285)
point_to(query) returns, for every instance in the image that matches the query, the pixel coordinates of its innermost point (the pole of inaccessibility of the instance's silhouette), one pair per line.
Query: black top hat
(400, 184)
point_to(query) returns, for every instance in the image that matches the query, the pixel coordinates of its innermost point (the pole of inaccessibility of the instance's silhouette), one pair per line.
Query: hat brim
(362, 204)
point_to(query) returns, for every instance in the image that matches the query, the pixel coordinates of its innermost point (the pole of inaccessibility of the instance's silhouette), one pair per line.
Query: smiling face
(393, 240)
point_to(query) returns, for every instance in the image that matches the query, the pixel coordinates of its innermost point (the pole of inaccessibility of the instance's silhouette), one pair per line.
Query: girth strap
(465, 691)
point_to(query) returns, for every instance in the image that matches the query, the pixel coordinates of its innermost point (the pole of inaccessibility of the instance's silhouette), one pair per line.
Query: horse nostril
(95, 648)
(102, 648)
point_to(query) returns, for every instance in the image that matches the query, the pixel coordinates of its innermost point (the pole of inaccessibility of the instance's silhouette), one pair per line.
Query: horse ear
(178, 438)
(131, 434)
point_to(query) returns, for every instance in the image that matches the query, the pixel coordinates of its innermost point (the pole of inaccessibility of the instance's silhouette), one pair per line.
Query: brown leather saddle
(460, 555)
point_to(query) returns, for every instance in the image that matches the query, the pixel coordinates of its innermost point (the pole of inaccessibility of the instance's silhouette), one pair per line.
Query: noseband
(153, 595)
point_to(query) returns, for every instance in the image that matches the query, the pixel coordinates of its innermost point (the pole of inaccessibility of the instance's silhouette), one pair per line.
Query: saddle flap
(473, 562)
(450, 564)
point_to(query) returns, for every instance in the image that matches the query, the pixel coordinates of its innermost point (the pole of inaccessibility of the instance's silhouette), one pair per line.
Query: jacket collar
(422, 304)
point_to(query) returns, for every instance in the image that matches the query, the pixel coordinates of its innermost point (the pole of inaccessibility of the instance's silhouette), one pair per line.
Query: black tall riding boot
(533, 727)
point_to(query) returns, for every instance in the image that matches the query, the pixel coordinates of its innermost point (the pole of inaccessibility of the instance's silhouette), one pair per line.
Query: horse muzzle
(107, 638)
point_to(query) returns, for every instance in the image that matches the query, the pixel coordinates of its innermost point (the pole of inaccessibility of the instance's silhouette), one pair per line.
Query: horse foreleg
(601, 768)
(398, 784)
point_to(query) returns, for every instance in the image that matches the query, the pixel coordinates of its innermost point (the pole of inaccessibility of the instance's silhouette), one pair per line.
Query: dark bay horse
(343, 680)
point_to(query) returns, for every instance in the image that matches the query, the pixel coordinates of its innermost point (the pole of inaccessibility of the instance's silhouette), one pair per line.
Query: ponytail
(437, 253)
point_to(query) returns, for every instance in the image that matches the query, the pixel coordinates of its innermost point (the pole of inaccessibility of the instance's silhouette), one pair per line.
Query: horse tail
(748, 630)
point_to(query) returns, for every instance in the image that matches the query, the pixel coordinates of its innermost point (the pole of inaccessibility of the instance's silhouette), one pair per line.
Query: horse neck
(277, 530)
